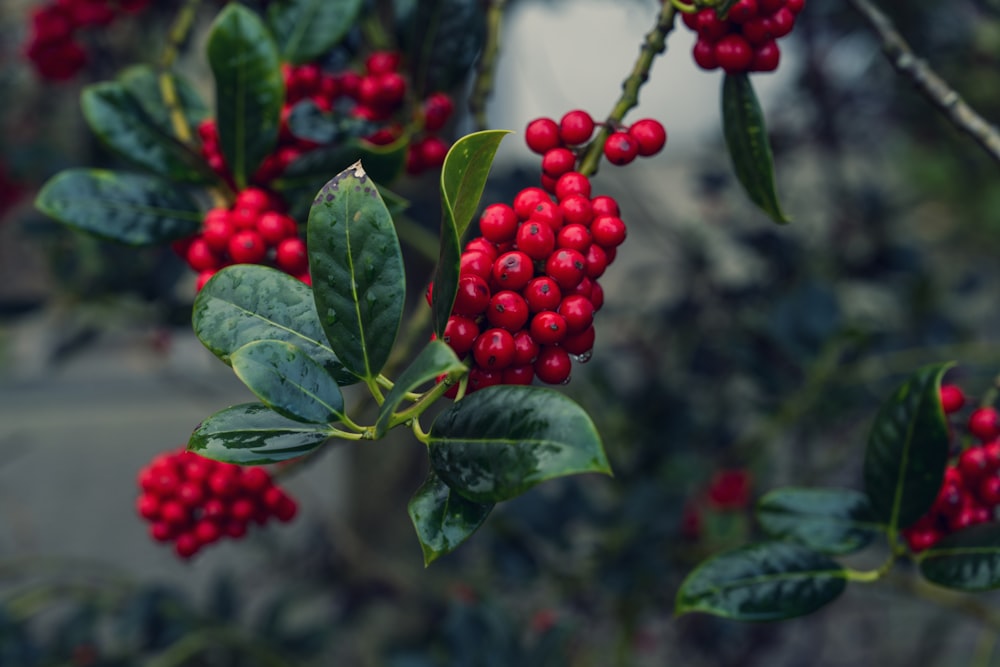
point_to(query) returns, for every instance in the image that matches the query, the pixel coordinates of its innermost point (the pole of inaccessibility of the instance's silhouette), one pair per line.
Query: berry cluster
(193, 501)
(52, 47)
(560, 143)
(745, 41)
(970, 492)
(376, 96)
(253, 231)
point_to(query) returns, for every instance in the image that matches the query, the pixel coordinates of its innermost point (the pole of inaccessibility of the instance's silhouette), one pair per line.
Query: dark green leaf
(306, 29)
(500, 441)
(253, 434)
(968, 560)
(308, 121)
(908, 450)
(766, 581)
(434, 360)
(463, 177)
(249, 89)
(746, 137)
(443, 39)
(246, 303)
(120, 122)
(150, 89)
(288, 381)
(442, 518)
(128, 208)
(357, 271)
(833, 521)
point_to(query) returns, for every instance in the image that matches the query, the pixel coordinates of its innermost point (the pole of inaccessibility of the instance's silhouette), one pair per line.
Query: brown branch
(928, 82)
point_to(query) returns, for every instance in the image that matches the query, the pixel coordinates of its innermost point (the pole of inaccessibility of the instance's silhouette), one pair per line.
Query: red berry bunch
(745, 41)
(253, 231)
(52, 47)
(970, 493)
(560, 144)
(193, 501)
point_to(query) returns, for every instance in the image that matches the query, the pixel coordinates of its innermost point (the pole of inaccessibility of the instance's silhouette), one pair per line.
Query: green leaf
(746, 137)
(766, 581)
(253, 434)
(463, 177)
(246, 303)
(306, 29)
(288, 381)
(442, 518)
(832, 521)
(434, 360)
(443, 38)
(146, 85)
(908, 450)
(968, 560)
(249, 88)
(121, 123)
(501, 441)
(118, 206)
(357, 271)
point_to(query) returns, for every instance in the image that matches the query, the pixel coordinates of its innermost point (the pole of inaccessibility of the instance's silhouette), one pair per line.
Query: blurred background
(733, 356)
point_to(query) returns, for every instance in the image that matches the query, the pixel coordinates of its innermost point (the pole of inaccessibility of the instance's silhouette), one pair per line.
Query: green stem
(486, 68)
(375, 389)
(419, 433)
(869, 576)
(425, 401)
(654, 44)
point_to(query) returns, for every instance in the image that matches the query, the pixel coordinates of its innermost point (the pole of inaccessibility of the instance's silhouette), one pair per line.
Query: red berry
(558, 161)
(507, 310)
(513, 270)
(518, 374)
(952, 398)
(433, 151)
(572, 183)
(242, 509)
(525, 348)
(291, 256)
(148, 507)
(286, 509)
(542, 293)
(549, 213)
(215, 509)
(757, 31)
(983, 423)
(768, 7)
(781, 22)
(580, 343)
(973, 463)
(207, 531)
(438, 108)
(460, 333)
(710, 26)
(604, 205)
(989, 490)
(620, 148)
(766, 57)
(247, 247)
(200, 256)
(576, 127)
(795, 6)
(576, 237)
(923, 539)
(567, 267)
(191, 494)
(576, 209)
(742, 11)
(597, 295)
(498, 223)
(253, 198)
(174, 512)
(649, 135)
(536, 239)
(541, 135)
(480, 244)
(473, 296)
(187, 545)
(597, 261)
(527, 199)
(235, 529)
(275, 227)
(476, 262)
(553, 365)
(578, 311)
(381, 62)
(494, 349)
(608, 231)
(224, 483)
(733, 53)
(161, 531)
(480, 378)
(548, 328)
(704, 54)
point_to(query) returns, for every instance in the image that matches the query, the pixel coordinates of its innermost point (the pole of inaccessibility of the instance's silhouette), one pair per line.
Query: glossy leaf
(146, 85)
(246, 303)
(129, 208)
(253, 434)
(443, 39)
(357, 269)
(746, 138)
(968, 560)
(907, 450)
(121, 124)
(832, 521)
(501, 441)
(434, 360)
(442, 518)
(249, 88)
(766, 581)
(463, 177)
(307, 121)
(288, 381)
(307, 29)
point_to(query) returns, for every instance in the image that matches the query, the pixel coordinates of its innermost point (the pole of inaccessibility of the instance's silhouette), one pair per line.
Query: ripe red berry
(542, 293)
(580, 343)
(983, 423)
(704, 54)
(572, 183)
(733, 53)
(553, 365)
(620, 148)
(494, 349)
(518, 374)
(558, 161)
(952, 398)
(498, 223)
(200, 256)
(473, 296)
(567, 267)
(148, 507)
(649, 134)
(381, 62)
(549, 213)
(989, 490)
(513, 270)
(174, 512)
(460, 333)
(766, 57)
(576, 237)
(275, 227)
(597, 261)
(291, 256)
(252, 198)
(597, 295)
(481, 244)
(247, 247)
(578, 312)
(576, 127)
(541, 135)
(477, 262)
(433, 151)
(507, 310)
(187, 545)
(576, 209)
(536, 239)
(224, 483)
(742, 11)
(525, 348)
(438, 108)
(973, 464)
(604, 205)
(710, 26)
(608, 231)
(781, 22)
(923, 539)
(757, 31)
(480, 378)
(548, 328)
(795, 6)
(207, 531)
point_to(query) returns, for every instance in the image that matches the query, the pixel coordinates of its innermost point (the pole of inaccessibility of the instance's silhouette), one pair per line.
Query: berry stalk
(653, 45)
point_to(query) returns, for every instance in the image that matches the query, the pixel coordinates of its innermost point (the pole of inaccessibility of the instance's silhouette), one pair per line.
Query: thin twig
(928, 82)
(486, 68)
